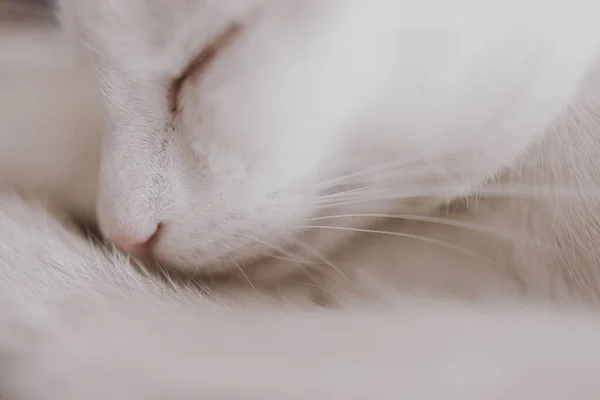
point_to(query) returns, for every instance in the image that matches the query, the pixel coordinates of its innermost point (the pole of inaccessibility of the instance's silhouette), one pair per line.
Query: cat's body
(77, 323)
(496, 89)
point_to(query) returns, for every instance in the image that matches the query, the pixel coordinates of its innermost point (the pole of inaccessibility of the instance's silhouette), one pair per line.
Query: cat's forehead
(166, 20)
(140, 33)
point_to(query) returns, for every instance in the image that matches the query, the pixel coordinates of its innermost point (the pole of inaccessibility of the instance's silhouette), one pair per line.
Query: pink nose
(141, 248)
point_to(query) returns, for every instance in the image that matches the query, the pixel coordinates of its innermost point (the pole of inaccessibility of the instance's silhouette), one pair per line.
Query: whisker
(307, 266)
(321, 288)
(315, 253)
(401, 234)
(295, 258)
(366, 172)
(279, 249)
(536, 191)
(305, 262)
(241, 270)
(408, 168)
(397, 190)
(486, 192)
(419, 162)
(422, 218)
(523, 191)
(363, 200)
(368, 187)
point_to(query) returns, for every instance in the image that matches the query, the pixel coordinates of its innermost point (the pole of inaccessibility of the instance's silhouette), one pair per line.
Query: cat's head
(236, 123)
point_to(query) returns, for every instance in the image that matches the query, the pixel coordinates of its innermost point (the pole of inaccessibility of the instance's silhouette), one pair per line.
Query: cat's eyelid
(198, 64)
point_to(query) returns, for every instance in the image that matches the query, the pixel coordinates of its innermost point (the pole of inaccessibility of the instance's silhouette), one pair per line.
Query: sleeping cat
(484, 109)
(242, 129)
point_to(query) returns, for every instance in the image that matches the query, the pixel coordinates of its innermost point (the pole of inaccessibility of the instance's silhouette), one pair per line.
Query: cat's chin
(259, 270)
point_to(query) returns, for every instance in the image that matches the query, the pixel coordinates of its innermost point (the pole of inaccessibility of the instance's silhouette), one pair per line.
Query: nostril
(138, 247)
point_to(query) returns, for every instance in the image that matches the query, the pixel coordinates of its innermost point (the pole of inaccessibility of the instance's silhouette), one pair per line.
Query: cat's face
(236, 123)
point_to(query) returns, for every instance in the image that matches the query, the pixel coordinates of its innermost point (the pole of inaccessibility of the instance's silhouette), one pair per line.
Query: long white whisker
(423, 161)
(401, 234)
(290, 256)
(366, 172)
(241, 270)
(287, 253)
(321, 288)
(523, 191)
(500, 192)
(536, 191)
(292, 260)
(304, 265)
(419, 218)
(362, 200)
(315, 253)
(369, 187)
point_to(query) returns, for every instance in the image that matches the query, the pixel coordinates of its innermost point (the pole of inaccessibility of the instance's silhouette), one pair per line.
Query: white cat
(415, 103)
(242, 128)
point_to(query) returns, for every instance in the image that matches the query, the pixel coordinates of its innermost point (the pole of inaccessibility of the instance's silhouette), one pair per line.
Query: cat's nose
(138, 247)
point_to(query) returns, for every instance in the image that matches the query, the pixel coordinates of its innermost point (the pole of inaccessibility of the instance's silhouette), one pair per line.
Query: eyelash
(198, 64)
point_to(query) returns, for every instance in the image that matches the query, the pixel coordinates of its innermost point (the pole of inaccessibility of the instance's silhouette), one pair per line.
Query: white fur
(449, 99)
(76, 323)
(308, 100)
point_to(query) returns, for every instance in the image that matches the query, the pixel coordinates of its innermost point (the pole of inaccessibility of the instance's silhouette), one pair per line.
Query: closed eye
(197, 65)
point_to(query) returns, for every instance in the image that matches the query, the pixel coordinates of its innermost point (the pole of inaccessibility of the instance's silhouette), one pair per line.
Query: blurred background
(25, 12)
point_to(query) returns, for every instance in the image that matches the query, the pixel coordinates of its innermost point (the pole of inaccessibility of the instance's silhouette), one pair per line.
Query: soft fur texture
(459, 139)
(78, 324)
(310, 118)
